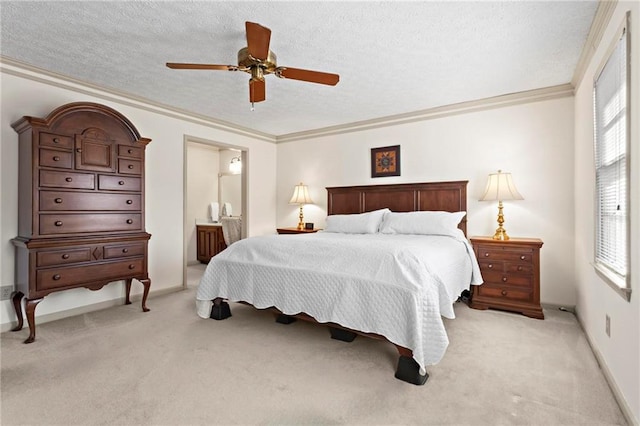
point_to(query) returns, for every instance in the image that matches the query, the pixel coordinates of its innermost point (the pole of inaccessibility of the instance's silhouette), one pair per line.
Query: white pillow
(362, 223)
(422, 223)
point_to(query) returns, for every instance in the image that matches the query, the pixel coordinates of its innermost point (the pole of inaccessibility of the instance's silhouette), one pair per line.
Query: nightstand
(296, 231)
(511, 273)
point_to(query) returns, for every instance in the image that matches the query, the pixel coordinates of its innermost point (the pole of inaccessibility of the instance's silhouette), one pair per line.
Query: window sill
(617, 283)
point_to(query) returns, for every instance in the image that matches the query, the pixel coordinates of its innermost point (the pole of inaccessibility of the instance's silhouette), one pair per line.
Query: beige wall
(620, 353)
(28, 93)
(533, 141)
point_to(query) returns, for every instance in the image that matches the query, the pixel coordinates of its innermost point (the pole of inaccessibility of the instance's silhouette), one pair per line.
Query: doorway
(205, 161)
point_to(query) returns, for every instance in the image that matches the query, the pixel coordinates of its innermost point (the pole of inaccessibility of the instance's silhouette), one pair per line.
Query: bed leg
(284, 319)
(343, 335)
(409, 371)
(220, 309)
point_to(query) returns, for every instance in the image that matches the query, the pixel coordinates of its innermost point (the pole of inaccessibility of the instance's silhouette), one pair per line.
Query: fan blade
(307, 75)
(258, 38)
(257, 90)
(180, 66)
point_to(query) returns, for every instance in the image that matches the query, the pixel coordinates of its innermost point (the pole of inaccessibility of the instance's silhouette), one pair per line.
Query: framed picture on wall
(385, 161)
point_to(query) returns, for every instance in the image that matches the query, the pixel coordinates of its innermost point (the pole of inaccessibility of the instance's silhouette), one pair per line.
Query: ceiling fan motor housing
(248, 63)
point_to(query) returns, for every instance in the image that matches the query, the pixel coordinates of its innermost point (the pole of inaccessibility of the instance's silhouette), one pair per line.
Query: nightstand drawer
(491, 253)
(507, 279)
(519, 295)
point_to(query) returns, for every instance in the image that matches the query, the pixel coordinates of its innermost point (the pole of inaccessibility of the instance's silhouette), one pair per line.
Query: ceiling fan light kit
(257, 60)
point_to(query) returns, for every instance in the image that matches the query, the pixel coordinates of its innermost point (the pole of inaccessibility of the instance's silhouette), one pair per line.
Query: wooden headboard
(403, 197)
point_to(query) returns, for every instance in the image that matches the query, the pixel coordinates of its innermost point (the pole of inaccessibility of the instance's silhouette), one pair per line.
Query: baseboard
(54, 316)
(555, 307)
(617, 394)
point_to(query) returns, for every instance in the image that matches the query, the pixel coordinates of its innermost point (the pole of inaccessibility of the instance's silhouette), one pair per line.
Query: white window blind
(611, 166)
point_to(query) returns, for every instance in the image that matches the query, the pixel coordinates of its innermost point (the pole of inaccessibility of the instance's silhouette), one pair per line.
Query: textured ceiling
(392, 57)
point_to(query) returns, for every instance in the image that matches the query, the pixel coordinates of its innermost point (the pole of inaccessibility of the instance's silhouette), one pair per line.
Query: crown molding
(20, 69)
(553, 92)
(13, 67)
(598, 26)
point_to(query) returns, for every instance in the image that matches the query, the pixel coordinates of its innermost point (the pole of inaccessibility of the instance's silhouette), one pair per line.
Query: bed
(383, 280)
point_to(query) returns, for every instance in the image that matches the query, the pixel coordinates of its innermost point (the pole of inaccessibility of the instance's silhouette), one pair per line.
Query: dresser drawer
(56, 224)
(69, 276)
(60, 141)
(52, 158)
(124, 250)
(54, 179)
(130, 167)
(503, 279)
(64, 256)
(129, 151)
(59, 200)
(515, 294)
(119, 183)
(491, 253)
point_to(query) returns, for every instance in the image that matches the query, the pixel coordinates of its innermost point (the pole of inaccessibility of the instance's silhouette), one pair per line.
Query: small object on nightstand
(308, 226)
(511, 273)
(296, 231)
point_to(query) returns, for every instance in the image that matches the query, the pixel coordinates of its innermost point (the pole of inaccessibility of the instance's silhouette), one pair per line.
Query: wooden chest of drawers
(81, 205)
(511, 273)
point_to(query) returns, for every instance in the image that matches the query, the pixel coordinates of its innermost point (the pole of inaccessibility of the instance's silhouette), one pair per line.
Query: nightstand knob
(56, 277)
(504, 279)
(490, 266)
(519, 268)
(523, 257)
(486, 255)
(132, 266)
(65, 256)
(503, 292)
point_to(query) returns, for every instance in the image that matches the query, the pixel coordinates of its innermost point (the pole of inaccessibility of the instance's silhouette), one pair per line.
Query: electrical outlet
(607, 328)
(5, 292)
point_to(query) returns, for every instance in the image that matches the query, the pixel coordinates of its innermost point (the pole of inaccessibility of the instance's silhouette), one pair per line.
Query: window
(611, 131)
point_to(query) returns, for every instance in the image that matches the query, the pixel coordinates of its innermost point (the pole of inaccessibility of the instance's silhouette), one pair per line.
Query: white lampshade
(300, 195)
(500, 187)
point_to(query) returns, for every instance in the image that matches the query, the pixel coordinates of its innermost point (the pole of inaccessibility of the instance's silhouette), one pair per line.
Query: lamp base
(501, 235)
(301, 222)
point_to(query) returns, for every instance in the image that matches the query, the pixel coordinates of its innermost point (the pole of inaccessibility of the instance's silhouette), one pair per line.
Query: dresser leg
(17, 305)
(147, 284)
(31, 318)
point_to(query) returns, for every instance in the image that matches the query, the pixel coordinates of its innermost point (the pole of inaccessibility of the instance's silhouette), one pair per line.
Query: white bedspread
(397, 286)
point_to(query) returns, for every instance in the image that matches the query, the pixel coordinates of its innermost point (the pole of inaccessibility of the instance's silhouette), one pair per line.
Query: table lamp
(500, 188)
(301, 197)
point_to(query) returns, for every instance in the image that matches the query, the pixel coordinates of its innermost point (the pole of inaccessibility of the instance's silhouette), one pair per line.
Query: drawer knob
(490, 266)
(503, 292)
(56, 158)
(519, 268)
(78, 150)
(65, 256)
(486, 255)
(523, 257)
(129, 221)
(132, 266)
(130, 166)
(129, 151)
(58, 200)
(56, 277)
(125, 250)
(504, 279)
(129, 201)
(121, 182)
(58, 223)
(56, 140)
(69, 179)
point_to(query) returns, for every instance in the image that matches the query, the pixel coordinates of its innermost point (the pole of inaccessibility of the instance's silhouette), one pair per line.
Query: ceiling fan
(257, 60)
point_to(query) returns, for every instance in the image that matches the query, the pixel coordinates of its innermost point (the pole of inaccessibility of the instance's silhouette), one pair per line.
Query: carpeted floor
(120, 366)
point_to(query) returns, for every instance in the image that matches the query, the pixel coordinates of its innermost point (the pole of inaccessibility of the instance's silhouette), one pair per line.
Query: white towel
(226, 209)
(214, 211)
